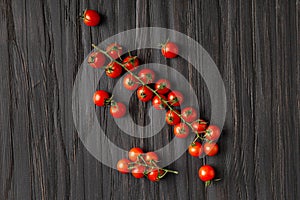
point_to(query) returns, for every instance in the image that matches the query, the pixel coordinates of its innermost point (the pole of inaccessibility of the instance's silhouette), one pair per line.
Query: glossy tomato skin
(113, 70)
(100, 97)
(117, 109)
(206, 173)
(147, 75)
(134, 153)
(195, 149)
(114, 50)
(154, 175)
(199, 126)
(91, 17)
(172, 118)
(169, 50)
(189, 114)
(175, 98)
(130, 82)
(138, 171)
(151, 156)
(131, 62)
(144, 94)
(158, 103)
(96, 59)
(162, 86)
(122, 166)
(181, 130)
(212, 133)
(211, 149)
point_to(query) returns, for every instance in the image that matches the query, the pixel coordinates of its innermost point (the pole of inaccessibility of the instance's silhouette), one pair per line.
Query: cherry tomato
(138, 171)
(151, 156)
(211, 149)
(91, 18)
(189, 114)
(212, 133)
(114, 50)
(195, 149)
(206, 173)
(100, 97)
(155, 174)
(122, 166)
(117, 110)
(162, 86)
(96, 59)
(131, 62)
(147, 75)
(181, 130)
(113, 70)
(144, 94)
(169, 50)
(134, 153)
(130, 82)
(199, 125)
(172, 118)
(158, 103)
(175, 98)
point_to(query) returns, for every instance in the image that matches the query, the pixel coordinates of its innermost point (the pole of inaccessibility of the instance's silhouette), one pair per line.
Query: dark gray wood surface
(255, 45)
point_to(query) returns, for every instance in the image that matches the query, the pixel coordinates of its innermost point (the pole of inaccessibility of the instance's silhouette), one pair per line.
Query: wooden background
(255, 45)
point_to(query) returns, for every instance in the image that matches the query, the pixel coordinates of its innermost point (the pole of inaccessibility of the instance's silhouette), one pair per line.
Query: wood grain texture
(256, 45)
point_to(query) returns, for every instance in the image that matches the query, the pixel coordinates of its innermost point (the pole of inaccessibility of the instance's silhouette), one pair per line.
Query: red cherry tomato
(122, 166)
(130, 82)
(189, 114)
(131, 62)
(114, 50)
(138, 171)
(162, 86)
(117, 110)
(212, 133)
(91, 17)
(175, 98)
(134, 153)
(172, 118)
(147, 75)
(181, 130)
(199, 125)
(211, 149)
(100, 97)
(158, 103)
(144, 94)
(169, 50)
(155, 174)
(113, 70)
(151, 156)
(206, 173)
(96, 59)
(195, 149)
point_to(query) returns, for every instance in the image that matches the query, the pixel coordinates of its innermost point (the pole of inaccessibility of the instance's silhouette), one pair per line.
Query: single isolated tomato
(175, 98)
(130, 82)
(131, 62)
(211, 149)
(162, 86)
(181, 130)
(113, 70)
(151, 156)
(172, 117)
(157, 102)
(117, 109)
(100, 97)
(96, 59)
(189, 114)
(138, 171)
(122, 166)
(212, 133)
(206, 173)
(195, 149)
(114, 50)
(169, 50)
(91, 17)
(199, 126)
(154, 175)
(144, 94)
(147, 75)
(134, 153)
